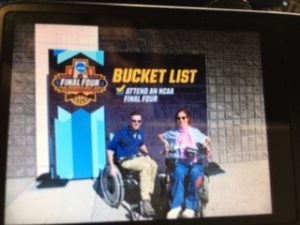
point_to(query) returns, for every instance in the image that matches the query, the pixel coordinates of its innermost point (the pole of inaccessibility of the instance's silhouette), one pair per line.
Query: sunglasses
(181, 117)
(136, 121)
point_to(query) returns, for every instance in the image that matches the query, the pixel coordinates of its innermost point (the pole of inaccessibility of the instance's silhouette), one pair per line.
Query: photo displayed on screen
(119, 124)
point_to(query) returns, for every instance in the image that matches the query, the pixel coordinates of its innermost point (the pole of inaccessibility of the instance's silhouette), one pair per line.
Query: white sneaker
(188, 213)
(174, 213)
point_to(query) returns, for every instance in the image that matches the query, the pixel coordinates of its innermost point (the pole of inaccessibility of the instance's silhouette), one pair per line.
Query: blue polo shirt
(127, 142)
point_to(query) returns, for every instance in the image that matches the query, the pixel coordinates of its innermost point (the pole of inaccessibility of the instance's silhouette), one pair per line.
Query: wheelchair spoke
(110, 185)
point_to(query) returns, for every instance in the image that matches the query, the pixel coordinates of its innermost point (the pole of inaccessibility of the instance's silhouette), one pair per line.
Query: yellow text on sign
(182, 76)
(138, 76)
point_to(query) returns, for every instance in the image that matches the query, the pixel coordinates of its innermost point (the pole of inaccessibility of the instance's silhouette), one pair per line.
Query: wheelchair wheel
(112, 187)
(204, 197)
(204, 192)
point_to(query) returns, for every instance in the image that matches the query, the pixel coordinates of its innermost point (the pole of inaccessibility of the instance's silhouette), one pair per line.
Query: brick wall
(234, 89)
(21, 143)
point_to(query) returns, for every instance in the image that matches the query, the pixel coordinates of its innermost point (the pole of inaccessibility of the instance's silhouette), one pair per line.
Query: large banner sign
(154, 78)
(91, 95)
(76, 114)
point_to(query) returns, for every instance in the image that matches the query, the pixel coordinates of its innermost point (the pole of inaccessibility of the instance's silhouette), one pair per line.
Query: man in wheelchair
(184, 144)
(128, 149)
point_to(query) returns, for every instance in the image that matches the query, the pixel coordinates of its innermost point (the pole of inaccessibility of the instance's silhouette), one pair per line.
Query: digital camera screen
(106, 123)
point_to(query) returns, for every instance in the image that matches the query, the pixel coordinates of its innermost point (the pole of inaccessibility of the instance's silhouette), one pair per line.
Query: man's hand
(144, 150)
(113, 170)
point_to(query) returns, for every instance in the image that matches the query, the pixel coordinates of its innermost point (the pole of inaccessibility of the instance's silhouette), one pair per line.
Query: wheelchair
(114, 189)
(170, 163)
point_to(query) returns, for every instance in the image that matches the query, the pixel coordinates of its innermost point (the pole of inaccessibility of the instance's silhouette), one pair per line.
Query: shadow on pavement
(213, 169)
(45, 181)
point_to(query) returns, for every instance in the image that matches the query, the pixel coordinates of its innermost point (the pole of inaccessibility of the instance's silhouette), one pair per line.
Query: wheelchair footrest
(135, 212)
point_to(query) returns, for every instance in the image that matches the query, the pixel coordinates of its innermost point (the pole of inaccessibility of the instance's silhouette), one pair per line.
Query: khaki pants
(147, 168)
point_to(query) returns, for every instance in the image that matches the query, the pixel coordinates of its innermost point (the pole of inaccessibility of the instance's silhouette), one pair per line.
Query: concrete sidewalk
(242, 190)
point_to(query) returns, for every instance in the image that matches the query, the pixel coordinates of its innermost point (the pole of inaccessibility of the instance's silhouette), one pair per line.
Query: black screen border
(278, 34)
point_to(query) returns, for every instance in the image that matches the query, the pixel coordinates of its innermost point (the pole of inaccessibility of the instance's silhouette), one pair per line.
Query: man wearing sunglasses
(130, 151)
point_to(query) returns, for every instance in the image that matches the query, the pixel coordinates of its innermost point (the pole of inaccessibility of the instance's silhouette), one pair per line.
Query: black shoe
(147, 208)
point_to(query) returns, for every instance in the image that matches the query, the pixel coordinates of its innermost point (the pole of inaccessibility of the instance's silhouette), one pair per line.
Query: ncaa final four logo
(79, 83)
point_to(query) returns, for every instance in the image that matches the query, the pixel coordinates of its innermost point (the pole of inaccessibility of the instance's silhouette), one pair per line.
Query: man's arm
(113, 167)
(144, 149)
